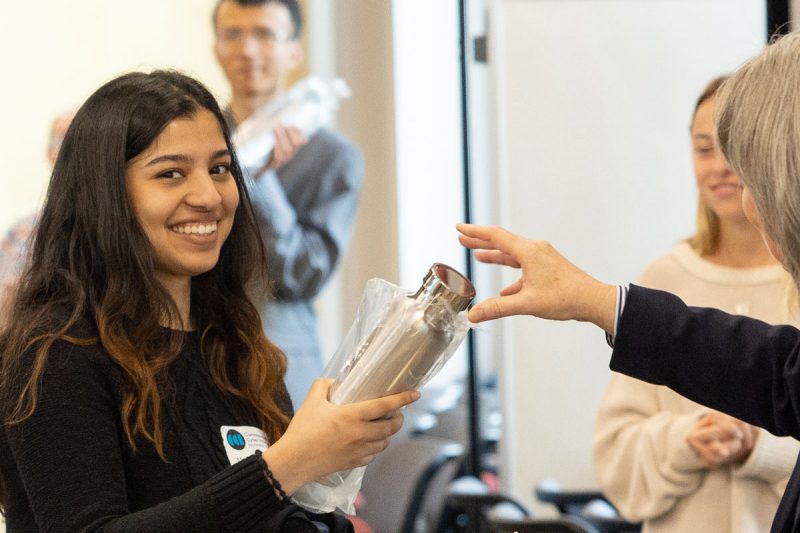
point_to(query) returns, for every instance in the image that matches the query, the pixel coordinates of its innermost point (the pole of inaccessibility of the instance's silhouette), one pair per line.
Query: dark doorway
(778, 18)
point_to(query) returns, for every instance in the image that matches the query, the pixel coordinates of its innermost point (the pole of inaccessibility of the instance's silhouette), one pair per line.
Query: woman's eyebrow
(181, 158)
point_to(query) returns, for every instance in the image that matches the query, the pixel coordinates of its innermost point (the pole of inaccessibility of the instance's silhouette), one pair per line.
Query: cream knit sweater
(641, 458)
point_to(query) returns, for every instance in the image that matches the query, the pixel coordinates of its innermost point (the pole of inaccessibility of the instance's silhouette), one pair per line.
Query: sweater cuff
(681, 456)
(243, 495)
(771, 460)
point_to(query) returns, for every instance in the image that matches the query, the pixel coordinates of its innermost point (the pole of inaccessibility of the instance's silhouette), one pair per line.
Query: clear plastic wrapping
(308, 105)
(398, 342)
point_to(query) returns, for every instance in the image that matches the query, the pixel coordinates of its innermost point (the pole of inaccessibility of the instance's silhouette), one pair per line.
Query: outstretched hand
(549, 286)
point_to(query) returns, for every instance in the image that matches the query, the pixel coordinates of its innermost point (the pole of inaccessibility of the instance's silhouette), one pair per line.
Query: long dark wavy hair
(92, 264)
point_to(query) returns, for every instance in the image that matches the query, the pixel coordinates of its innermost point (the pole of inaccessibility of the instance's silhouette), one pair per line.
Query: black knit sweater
(69, 466)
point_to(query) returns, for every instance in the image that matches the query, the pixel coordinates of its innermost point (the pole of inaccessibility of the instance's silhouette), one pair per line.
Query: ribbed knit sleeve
(68, 467)
(640, 455)
(243, 496)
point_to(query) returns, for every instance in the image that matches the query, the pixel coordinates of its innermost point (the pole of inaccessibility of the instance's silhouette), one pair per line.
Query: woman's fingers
(496, 257)
(498, 307)
(514, 288)
(712, 453)
(490, 238)
(320, 389)
(380, 430)
(324, 437)
(719, 439)
(369, 410)
(718, 432)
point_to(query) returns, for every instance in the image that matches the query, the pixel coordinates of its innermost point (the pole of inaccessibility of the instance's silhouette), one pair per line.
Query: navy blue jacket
(738, 365)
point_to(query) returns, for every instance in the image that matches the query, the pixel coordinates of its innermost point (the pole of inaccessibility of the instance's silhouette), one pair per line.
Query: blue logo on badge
(235, 439)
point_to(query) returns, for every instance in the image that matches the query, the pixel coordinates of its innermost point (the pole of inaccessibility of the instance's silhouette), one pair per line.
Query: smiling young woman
(184, 196)
(137, 389)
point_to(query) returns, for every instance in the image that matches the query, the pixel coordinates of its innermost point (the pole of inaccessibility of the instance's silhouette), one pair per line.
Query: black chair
(404, 487)
(589, 505)
(565, 524)
(485, 511)
(469, 502)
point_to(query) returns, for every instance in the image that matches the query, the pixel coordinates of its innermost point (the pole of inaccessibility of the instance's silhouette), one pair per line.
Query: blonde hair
(758, 125)
(707, 232)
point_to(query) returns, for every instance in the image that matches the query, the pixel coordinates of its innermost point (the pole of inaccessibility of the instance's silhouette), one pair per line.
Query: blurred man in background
(306, 195)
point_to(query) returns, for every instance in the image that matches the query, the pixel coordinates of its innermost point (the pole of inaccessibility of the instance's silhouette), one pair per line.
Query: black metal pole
(778, 18)
(474, 440)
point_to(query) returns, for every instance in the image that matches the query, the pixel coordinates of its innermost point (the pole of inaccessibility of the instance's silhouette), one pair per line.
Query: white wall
(593, 102)
(794, 12)
(364, 57)
(56, 53)
(427, 118)
(428, 133)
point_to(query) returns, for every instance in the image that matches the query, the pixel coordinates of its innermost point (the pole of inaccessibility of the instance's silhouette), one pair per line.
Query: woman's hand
(550, 286)
(323, 438)
(719, 439)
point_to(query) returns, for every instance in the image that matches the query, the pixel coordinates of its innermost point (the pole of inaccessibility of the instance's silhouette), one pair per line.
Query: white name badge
(241, 442)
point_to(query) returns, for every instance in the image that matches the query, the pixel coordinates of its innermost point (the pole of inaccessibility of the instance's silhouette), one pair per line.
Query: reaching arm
(740, 366)
(736, 365)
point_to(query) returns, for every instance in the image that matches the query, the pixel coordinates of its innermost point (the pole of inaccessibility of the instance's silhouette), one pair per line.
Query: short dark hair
(291, 5)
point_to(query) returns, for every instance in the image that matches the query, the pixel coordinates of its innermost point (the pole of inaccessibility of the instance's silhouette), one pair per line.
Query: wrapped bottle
(308, 105)
(411, 341)
(398, 341)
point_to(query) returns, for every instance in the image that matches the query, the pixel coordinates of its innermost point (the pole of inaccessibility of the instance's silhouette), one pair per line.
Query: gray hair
(758, 124)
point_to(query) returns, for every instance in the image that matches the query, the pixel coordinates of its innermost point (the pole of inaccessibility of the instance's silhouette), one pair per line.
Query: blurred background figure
(307, 194)
(14, 246)
(664, 459)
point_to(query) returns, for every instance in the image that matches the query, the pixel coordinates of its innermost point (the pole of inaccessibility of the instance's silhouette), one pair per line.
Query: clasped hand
(719, 439)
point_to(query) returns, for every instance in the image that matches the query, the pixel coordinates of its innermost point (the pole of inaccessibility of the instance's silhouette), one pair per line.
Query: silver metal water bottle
(408, 342)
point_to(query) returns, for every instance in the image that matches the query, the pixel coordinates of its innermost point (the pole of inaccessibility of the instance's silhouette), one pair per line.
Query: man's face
(255, 48)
